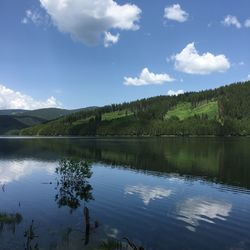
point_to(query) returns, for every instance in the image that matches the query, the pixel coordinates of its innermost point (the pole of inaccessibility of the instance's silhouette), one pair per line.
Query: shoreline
(121, 137)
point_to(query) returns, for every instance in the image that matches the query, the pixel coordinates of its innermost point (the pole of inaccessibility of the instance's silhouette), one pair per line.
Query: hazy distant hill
(8, 123)
(11, 111)
(221, 111)
(47, 113)
(12, 120)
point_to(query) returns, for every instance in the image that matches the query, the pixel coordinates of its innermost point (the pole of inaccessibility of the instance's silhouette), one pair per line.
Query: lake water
(169, 193)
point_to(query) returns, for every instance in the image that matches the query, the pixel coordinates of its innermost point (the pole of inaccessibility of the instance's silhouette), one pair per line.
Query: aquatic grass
(10, 218)
(30, 236)
(110, 244)
(114, 244)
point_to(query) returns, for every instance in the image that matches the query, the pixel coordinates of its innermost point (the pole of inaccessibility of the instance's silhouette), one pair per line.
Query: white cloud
(87, 21)
(10, 99)
(35, 17)
(175, 13)
(148, 193)
(247, 23)
(25, 20)
(110, 39)
(248, 77)
(231, 21)
(189, 61)
(146, 78)
(194, 210)
(175, 93)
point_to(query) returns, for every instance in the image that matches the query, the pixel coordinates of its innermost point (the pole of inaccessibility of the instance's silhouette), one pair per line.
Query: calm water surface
(173, 193)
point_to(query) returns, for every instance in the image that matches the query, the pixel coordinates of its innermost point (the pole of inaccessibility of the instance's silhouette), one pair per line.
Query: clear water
(170, 193)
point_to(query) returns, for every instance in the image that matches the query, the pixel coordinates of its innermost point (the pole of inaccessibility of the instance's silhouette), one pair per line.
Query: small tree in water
(73, 185)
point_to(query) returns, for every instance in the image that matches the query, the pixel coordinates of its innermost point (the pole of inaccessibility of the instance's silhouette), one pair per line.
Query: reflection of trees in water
(72, 185)
(195, 157)
(9, 221)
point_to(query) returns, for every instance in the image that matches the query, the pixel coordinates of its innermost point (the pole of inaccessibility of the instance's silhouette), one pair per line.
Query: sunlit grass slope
(115, 115)
(185, 110)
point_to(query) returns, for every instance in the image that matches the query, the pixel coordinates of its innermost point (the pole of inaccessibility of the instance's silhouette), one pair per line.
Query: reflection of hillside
(195, 157)
(222, 160)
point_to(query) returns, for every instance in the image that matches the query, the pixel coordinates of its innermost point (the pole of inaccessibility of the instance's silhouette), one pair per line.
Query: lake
(158, 193)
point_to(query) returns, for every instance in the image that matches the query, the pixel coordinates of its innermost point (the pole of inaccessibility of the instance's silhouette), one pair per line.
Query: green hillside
(9, 123)
(29, 120)
(222, 111)
(186, 110)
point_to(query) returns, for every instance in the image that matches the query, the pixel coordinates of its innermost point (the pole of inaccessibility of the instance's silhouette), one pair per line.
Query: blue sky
(78, 53)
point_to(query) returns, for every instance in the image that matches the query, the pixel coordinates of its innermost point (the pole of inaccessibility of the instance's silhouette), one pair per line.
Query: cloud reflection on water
(148, 193)
(15, 170)
(194, 210)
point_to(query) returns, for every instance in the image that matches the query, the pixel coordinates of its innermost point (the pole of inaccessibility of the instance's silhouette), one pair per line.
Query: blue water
(158, 193)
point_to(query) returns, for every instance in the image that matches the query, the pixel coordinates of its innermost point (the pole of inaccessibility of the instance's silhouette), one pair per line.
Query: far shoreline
(120, 137)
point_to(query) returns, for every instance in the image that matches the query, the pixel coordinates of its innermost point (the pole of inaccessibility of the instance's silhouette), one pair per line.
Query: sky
(79, 53)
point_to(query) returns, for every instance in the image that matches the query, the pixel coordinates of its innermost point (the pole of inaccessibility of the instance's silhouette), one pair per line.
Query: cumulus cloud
(87, 21)
(231, 21)
(35, 17)
(175, 93)
(189, 61)
(197, 209)
(148, 193)
(146, 78)
(175, 13)
(10, 99)
(110, 39)
(247, 23)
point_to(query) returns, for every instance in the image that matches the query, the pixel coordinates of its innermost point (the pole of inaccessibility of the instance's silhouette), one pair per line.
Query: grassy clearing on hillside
(83, 121)
(116, 115)
(185, 110)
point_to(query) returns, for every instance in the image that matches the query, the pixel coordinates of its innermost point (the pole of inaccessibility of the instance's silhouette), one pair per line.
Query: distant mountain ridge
(12, 111)
(45, 113)
(12, 120)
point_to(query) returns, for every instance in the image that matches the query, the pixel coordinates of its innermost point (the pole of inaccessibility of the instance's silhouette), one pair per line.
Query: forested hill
(222, 111)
